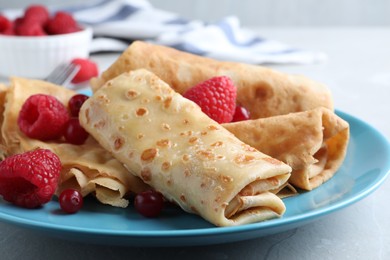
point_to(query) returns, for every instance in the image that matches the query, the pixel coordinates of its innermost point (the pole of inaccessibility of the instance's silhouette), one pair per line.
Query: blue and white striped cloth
(118, 22)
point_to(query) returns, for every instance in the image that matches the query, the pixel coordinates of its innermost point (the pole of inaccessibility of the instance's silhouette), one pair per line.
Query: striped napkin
(116, 23)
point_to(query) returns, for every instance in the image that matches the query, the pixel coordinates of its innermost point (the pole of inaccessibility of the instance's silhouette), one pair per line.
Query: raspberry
(36, 14)
(25, 28)
(88, 69)
(9, 31)
(62, 23)
(18, 21)
(216, 97)
(33, 21)
(43, 117)
(30, 179)
(5, 24)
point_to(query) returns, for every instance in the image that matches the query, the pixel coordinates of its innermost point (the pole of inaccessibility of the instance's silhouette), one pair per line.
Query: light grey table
(358, 73)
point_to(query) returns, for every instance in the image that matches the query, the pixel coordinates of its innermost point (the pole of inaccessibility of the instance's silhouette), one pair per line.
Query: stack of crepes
(292, 117)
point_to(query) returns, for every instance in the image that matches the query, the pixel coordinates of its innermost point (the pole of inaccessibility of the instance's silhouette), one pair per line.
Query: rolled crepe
(88, 167)
(263, 91)
(314, 143)
(174, 147)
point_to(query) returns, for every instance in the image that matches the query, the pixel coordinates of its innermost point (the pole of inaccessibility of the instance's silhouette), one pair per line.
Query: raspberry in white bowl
(34, 44)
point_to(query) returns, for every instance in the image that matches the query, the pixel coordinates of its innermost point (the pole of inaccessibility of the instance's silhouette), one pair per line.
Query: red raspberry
(5, 24)
(36, 14)
(216, 97)
(43, 117)
(25, 28)
(88, 69)
(30, 179)
(18, 21)
(62, 23)
(9, 31)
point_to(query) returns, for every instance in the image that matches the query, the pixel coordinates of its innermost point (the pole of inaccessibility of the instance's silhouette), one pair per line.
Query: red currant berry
(75, 104)
(71, 201)
(149, 203)
(240, 114)
(74, 133)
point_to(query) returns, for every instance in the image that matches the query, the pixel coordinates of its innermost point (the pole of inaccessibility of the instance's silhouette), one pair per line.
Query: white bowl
(36, 57)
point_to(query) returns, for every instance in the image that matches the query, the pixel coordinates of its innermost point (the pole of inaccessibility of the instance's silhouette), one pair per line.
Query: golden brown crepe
(3, 91)
(263, 91)
(172, 145)
(314, 143)
(285, 191)
(88, 167)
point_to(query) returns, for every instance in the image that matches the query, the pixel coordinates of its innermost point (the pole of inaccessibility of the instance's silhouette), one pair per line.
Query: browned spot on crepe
(149, 154)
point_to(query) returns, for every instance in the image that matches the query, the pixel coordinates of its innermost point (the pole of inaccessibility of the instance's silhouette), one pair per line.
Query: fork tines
(63, 74)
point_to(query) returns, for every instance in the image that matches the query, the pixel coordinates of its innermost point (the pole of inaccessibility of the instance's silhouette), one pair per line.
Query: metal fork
(63, 74)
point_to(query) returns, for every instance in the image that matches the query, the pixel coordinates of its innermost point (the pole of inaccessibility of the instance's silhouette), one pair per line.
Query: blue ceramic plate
(365, 168)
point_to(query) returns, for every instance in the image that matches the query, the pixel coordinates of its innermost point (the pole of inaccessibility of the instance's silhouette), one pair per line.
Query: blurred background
(253, 13)
(287, 13)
